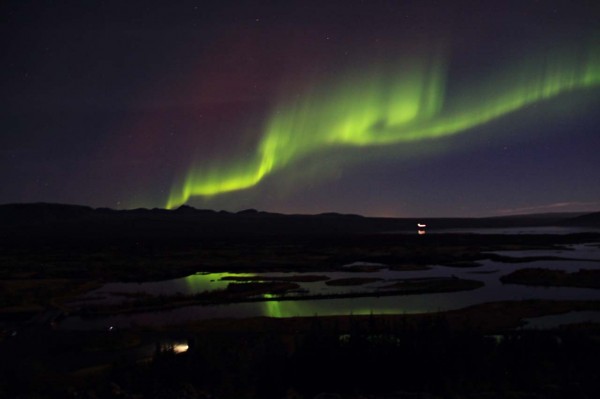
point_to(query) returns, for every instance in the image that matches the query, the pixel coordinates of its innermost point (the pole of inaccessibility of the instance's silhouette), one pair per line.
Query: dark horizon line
(253, 210)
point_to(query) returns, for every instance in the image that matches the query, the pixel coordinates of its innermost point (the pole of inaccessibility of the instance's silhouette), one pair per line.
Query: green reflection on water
(201, 282)
(272, 307)
(330, 307)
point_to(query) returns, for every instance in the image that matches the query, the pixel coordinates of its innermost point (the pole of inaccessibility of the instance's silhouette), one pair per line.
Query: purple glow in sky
(126, 104)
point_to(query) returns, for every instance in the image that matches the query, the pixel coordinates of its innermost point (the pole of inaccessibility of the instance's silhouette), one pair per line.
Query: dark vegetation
(582, 278)
(259, 288)
(429, 285)
(294, 278)
(352, 281)
(437, 355)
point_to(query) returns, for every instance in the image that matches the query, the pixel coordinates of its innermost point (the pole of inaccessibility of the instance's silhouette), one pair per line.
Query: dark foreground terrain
(52, 254)
(461, 354)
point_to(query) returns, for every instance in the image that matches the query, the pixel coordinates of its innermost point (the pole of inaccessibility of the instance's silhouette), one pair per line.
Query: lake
(509, 230)
(489, 273)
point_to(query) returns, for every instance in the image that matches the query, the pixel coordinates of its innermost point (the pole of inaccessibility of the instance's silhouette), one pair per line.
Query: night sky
(383, 108)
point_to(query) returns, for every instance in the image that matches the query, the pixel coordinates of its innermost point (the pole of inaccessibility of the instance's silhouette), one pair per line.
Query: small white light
(180, 348)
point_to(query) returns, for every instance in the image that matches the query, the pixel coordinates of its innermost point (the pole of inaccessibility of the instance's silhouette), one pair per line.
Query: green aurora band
(389, 105)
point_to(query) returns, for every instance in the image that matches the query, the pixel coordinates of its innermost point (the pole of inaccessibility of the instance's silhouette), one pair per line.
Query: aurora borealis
(403, 106)
(391, 108)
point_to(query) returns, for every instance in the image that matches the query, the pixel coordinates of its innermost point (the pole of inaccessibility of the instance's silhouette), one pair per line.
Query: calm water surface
(520, 230)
